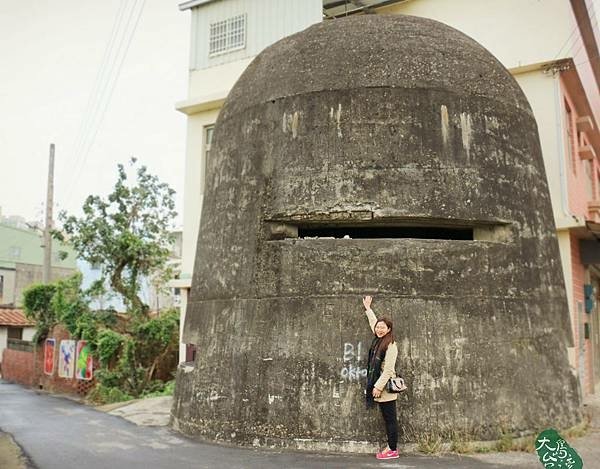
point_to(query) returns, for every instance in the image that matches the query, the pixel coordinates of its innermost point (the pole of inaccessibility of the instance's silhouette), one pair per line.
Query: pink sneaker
(387, 454)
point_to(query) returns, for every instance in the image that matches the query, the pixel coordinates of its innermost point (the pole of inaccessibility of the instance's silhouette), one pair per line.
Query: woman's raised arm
(370, 314)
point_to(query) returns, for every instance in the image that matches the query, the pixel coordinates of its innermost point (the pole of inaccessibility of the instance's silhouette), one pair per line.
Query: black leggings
(388, 411)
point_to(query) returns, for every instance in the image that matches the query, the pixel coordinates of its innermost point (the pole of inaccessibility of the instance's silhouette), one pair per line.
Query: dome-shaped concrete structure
(412, 140)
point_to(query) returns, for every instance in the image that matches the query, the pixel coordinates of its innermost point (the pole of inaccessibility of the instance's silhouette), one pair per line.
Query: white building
(226, 35)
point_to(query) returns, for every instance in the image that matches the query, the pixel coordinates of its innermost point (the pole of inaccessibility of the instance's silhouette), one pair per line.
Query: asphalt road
(58, 433)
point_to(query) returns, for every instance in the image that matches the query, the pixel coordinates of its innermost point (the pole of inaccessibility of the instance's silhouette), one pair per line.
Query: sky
(56, 78)
(58, 72)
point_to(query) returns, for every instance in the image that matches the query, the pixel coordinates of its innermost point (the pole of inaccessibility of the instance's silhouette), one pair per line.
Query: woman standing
(380, 368)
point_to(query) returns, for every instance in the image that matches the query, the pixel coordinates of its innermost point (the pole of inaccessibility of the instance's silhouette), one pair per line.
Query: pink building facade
(582, 269)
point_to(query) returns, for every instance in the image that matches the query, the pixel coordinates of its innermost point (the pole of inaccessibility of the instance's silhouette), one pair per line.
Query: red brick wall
(27, 368)
(17, 366)
(54, 383)
(578, 272)
(579, 279)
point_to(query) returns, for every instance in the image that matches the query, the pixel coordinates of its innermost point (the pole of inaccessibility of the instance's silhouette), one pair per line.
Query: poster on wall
(66, 358)
(49, 356)
(84, 365)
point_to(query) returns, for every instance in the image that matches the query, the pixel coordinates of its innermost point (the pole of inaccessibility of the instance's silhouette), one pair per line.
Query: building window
(570, 140)
(227, 35)
(208, 136)
(15, 333)
(14, 252)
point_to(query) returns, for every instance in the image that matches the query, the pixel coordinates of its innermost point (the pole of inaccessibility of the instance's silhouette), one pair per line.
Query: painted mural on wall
(66, 359)
(49, 346)
(84, 364)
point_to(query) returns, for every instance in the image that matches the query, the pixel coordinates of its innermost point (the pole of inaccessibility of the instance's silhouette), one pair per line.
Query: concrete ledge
(150, 412)
(201, 104)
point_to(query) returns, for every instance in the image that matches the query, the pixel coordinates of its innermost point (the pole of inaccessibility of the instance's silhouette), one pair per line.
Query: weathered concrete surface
(375, 121)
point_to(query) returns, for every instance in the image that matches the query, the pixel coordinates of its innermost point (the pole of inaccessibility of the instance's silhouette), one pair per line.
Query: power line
(575, 36)
(106, 86)
(593, 20)
(106, 92)
(100, 76)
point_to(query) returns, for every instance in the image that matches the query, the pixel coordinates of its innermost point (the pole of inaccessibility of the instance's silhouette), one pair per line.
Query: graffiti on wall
(66, 359)
(84, 364)
(353, 370)
(49, 346)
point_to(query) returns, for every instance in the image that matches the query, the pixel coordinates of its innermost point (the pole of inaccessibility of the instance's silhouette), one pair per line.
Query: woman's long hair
(377, 352)
(387, 339)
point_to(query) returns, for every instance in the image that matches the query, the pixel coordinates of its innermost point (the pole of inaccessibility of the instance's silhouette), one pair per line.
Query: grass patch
(482, 449)
(577, 431)
(460, 442)
(505, 443)
(429, 443)
(107, 395)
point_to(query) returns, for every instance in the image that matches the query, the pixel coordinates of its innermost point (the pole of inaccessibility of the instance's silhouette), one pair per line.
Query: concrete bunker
(376, 126)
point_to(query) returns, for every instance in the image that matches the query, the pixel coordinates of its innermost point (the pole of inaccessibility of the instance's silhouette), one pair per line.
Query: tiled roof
(14, 317)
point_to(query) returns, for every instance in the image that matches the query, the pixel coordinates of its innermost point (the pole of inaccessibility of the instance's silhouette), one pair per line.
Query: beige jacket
(388, 367)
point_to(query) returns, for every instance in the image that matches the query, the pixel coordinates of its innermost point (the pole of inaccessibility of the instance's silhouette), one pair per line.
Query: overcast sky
(51, 52)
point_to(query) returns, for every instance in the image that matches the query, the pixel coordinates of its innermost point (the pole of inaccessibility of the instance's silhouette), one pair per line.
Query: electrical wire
(100, 77)
(105, 94)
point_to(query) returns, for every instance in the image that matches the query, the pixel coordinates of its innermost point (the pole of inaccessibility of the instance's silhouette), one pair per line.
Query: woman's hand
(376, 392)
(367, 301)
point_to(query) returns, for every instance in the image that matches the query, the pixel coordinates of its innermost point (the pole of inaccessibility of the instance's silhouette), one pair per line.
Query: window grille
(227, 35)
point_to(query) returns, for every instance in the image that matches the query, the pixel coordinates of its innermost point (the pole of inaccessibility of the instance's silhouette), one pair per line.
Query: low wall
(18, 366)
(23, 363)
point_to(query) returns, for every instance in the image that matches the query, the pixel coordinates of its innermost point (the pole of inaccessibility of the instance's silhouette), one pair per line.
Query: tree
(37, 300)
(127, 234)
(133, 352)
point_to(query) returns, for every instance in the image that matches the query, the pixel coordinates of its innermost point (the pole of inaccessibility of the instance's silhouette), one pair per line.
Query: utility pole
(48, 226)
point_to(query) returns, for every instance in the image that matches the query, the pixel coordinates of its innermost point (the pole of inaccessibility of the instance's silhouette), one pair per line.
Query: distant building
(14, 325)
(17, 221)
(159, 297)
(22, 260)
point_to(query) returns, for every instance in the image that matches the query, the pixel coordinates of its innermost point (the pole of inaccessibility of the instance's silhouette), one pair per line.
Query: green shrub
(109, 343)
(162, 389)
(107, 395)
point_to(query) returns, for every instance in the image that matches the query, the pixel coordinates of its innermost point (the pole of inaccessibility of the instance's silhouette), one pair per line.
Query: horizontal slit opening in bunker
(454, 230)
(377, 232)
